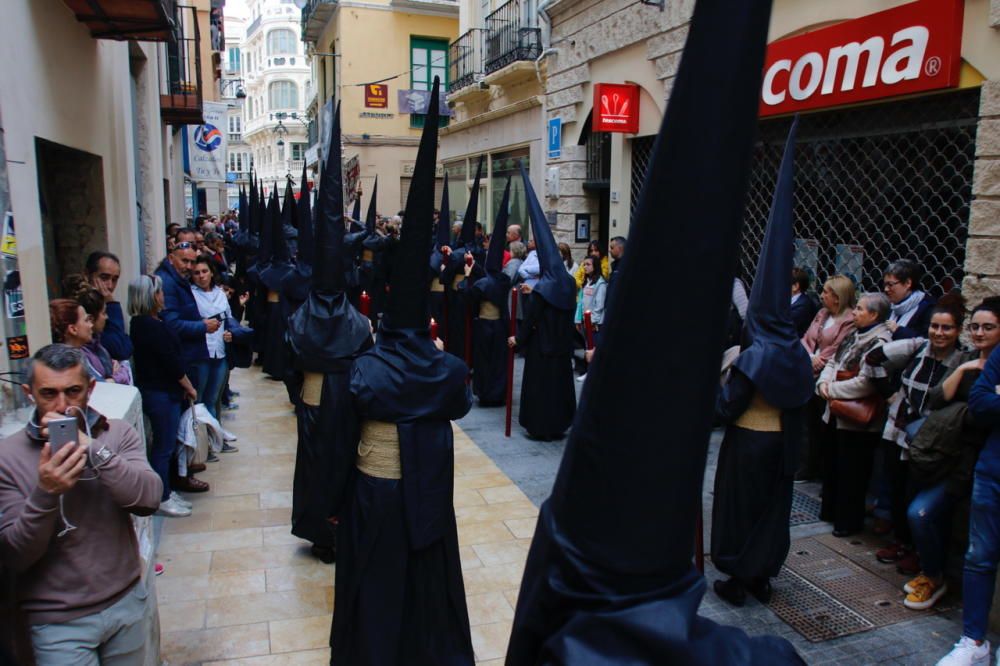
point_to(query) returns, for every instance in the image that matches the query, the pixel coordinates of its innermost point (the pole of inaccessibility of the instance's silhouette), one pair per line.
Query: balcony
(315, 15)
(510, 37)
(465, 58)
(181, 105)
(141, 20)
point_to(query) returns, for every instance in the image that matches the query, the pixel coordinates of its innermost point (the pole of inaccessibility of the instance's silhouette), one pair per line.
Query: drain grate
(805, 509)
(811, 611)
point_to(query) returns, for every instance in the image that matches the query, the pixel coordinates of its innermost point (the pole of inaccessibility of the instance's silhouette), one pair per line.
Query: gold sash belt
(760, 416)
(458, 278)
(378, 450)
(273, 297)
(436, 285)
(489, 311)
(367, 255)
(312, 388)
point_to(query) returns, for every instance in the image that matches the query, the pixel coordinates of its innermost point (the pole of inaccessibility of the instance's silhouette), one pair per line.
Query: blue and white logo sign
(207, 137)
(207, 145)
(555, 138)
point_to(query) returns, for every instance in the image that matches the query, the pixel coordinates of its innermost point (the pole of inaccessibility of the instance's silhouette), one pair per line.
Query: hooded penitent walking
(400, 595)
(453, 275)
(273, 352)
(325, 334)
(488, 298)
(439, 258)
(548, 395)
(296, 284)
(761, 405)
(610, 578)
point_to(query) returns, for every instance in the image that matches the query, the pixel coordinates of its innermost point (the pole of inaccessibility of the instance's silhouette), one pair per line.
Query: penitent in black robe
(753, 488)
(548, 397)
(400, 593)
(489, 340)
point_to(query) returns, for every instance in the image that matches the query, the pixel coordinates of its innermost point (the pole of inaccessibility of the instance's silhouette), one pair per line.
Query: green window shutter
(428, 58)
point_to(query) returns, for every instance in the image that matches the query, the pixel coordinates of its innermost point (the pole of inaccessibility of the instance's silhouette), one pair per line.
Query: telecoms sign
(907, 49)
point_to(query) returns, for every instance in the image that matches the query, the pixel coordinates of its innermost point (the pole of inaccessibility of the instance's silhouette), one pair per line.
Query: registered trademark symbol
(932, 66)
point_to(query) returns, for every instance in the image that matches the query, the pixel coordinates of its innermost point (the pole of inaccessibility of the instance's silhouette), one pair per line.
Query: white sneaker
(173, 509)
(175, 496)
(228, 436)
(967, 653)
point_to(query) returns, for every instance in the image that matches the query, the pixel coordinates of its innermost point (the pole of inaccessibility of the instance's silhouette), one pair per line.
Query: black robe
(753, 488)
(489, 341)
(548, 396)
(461, 309)
(374, 272)
(400, 594)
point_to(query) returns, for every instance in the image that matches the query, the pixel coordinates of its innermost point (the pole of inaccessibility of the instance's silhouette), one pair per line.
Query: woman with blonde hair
(829, 327)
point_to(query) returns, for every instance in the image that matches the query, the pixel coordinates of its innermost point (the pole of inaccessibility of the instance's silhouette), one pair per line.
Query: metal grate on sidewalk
(805, 509)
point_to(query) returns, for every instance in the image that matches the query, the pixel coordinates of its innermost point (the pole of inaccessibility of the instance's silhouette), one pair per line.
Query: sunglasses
(184, 245)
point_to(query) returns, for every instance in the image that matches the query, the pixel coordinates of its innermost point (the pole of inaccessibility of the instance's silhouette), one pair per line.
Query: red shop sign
(616, 107)
(376, 96)
(907, 49)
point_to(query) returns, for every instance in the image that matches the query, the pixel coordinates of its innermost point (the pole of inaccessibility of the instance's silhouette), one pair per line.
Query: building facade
(365, 54)
(232, 91)
(276, 74)
(898, 142)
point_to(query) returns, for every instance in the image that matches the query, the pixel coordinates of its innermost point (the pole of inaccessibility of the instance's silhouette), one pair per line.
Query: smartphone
(61, 432)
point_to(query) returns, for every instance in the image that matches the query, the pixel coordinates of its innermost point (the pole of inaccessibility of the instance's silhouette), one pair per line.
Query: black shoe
(730, 591)
(761, 590)
(843, 534)
(324, 554)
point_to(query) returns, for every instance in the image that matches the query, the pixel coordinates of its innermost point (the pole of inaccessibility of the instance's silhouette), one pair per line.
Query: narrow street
(238, 588)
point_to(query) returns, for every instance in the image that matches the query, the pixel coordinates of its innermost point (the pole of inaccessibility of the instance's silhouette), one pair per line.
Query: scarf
(903, 311)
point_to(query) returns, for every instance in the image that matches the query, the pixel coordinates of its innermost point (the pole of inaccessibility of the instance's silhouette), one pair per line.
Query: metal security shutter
(881, 182)
(404, 191)
(642, 152)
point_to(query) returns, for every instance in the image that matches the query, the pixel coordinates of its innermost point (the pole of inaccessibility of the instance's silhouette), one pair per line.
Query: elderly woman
(911, 308)
(833, 323)
(922, 364)
(162, 383)
(851, 444)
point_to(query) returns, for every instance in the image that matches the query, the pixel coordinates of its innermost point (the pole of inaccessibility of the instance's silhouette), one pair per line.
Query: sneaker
(582, 378)
(158, 569)
(173, 509)
(233, 393)
(925, 594)
(228, 448)
(967, 653)
(231, 406)
(175, 496)
(894, 552)
(228, 436)
(909, 565)
(914, 584)
(212, 457)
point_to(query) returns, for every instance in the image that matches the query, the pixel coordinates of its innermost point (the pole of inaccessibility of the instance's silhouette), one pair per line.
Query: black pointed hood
(266, 250)
(328, 273)
(279, 266)
(496, 284)
(407, 306)
(288, 230)
(356, 213)
(468, 235)
(775, 360)
(611, 558)
(444, 219)
(243, 215)
(370, 217)
(555, 285)
(296, 284)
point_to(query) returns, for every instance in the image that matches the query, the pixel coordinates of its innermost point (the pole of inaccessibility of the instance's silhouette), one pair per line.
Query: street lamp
(228, 83)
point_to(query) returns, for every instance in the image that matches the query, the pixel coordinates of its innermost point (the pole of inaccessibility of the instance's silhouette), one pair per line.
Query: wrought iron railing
(182, 102)
(511, 36)
(465, 58)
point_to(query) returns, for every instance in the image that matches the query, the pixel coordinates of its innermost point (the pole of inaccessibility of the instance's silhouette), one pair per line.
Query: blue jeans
(929, 516)
(984, 549)
(164, 413)
(209, 378)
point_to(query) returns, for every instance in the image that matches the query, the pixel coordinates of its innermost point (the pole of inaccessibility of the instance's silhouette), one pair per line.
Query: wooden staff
(468, 319)
(510, 359)
(699, 541)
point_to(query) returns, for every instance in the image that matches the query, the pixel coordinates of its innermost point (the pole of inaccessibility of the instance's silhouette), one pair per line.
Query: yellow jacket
(605, 271)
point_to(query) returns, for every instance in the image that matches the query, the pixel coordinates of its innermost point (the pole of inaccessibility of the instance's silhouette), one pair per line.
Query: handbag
(859, 411)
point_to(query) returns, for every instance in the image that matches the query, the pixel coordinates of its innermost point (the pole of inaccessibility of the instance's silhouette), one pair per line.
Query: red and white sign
(907, 49)
(616, 108)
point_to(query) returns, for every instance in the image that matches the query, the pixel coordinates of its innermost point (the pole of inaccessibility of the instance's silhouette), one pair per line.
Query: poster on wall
(807, 257)
(208, 145)
(17, 347)
(417, 101)
(12, 295)
(9, 246)
(850, 261)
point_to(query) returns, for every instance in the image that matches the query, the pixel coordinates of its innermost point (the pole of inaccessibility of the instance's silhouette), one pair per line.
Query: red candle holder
(434, 329)
(588, 327)
(366, 303)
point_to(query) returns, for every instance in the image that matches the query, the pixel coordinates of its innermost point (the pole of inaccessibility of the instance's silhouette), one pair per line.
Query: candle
(468, 259)
(366, 303)
(434, 329)
(588, 326)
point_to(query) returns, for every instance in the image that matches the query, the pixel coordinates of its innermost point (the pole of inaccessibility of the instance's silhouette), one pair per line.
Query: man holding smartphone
(65, 520)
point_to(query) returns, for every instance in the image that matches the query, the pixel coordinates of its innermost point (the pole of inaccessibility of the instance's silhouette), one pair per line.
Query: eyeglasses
(184, 245)
(889, 284)
(985, 328)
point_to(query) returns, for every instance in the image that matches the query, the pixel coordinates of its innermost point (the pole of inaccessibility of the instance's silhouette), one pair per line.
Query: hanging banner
(9, 245)
(417, 101)
(325, 127)
(907, 49)
(376, 96)
(208, 145)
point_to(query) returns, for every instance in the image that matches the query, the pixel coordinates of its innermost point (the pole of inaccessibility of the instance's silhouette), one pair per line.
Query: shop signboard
(908, 49)
(616, 108)
(376, 96)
